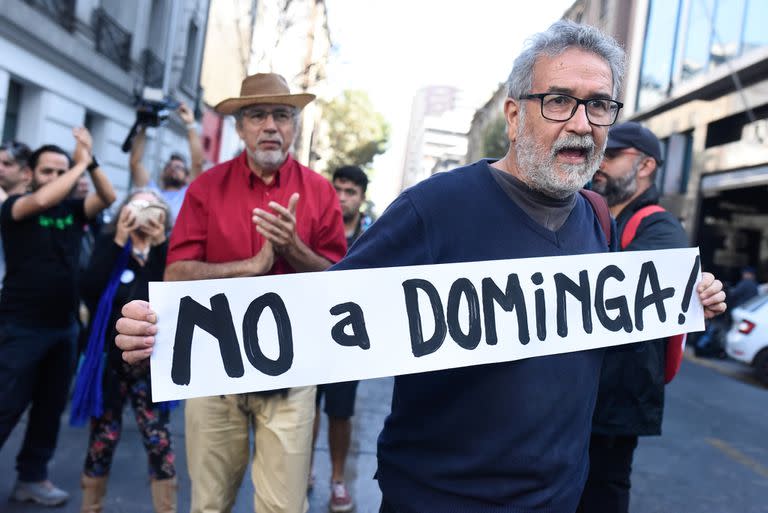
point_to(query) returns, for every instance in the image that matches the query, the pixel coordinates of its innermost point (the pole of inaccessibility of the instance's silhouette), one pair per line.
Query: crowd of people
(264, 213)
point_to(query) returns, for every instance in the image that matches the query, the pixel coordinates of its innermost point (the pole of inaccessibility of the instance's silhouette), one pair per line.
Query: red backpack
(676, 343)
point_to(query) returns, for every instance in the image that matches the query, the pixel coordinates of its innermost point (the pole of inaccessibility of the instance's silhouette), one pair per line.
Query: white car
(747, 340)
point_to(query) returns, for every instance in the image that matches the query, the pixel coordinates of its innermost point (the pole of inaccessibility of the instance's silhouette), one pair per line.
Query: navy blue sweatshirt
(509, 437)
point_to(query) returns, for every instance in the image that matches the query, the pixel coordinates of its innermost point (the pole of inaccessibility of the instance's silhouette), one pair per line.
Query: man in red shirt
(260, 213)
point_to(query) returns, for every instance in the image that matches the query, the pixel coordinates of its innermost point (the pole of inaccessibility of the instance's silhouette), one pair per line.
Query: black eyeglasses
(562, 107)
(281, 116)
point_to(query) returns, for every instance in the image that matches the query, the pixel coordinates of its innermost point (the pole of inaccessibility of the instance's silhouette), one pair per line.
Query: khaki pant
(217, 436)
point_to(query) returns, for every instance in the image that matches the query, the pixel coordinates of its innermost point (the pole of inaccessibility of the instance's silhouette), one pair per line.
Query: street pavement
(712, 457)
(128, 490)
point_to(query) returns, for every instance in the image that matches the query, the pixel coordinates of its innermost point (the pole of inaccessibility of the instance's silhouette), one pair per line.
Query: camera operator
(176, 176)
(38, 329)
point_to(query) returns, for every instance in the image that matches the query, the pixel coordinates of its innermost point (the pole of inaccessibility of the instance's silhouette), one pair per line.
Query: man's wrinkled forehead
(573, 71)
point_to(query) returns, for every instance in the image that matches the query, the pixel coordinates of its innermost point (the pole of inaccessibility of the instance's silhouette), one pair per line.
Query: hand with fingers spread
(126, 223)
(279, 227)
(155, 230)
(136, 331)
(186, 114)
(711, 295)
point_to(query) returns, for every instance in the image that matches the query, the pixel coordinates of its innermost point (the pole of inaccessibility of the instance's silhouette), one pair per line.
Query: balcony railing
(112, 40)
(62, 11)
(152, 68)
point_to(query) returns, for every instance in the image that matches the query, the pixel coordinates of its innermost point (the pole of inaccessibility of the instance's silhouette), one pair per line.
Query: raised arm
(56, 191)
(195, 144)
(104, 194)
(139, 174)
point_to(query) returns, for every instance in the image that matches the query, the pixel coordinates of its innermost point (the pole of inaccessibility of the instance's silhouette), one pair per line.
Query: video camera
(152, 110)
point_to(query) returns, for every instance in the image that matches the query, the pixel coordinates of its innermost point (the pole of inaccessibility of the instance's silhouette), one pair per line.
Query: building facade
(697, 76)
(437, 133)
(484, 129)
(698, 79)
(70, 63)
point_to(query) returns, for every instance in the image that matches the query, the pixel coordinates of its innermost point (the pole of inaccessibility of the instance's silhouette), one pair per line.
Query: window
(97, 126)
(157, 26)
(12, 108)
(190, 59)
(88, 121)
(698, 36)
(729, 129)
(685, 38)
(660, 35)
(755, 33)
(677, 163)
(726, 38)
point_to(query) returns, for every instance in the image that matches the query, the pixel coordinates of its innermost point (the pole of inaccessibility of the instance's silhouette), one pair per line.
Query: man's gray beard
(268, 160)
(618, 190)
(538, 169)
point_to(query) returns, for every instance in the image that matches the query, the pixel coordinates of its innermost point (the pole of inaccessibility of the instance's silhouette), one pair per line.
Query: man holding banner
(513, 435)
(630, 399)
(258, 214)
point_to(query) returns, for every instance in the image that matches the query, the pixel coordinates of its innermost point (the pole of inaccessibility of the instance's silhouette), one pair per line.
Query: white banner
(252, 334)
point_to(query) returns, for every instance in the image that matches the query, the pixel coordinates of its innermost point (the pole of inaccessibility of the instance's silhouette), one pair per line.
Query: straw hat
(264, 88)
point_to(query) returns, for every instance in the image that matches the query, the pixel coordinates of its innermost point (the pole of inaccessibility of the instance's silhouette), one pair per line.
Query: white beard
(268, 160)
(541, 171)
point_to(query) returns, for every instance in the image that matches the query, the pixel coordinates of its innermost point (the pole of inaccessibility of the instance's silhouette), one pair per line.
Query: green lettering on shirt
(59, 223)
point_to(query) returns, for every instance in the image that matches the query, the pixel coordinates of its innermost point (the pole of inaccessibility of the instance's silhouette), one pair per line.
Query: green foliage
(495, 140)
(355, 132)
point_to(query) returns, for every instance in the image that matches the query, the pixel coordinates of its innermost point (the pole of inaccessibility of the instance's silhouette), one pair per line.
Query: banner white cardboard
(480, 308)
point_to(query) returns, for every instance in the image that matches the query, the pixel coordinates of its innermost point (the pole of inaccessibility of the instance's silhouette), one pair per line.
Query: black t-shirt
(41, 254)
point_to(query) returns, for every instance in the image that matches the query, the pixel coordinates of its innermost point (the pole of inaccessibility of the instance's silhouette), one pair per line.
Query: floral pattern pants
(133, 385)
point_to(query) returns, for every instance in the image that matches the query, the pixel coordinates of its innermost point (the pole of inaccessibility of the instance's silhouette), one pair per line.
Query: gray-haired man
(508, 437)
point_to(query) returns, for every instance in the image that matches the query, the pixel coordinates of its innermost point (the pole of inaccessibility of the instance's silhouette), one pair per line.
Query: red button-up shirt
(215, 222)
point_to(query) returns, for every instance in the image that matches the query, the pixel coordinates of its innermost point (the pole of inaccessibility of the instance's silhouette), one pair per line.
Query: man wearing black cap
(630, 399)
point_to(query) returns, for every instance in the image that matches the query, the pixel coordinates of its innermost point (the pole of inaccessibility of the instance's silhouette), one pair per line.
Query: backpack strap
(630, 230)
(601, 211)
(675, 348)
(673, 356)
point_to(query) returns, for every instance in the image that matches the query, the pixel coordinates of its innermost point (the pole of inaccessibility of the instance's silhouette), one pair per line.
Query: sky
(391, 49)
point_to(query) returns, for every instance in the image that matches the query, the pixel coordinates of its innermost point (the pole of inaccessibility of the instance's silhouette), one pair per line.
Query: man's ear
(647, 168)
(512, 117)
